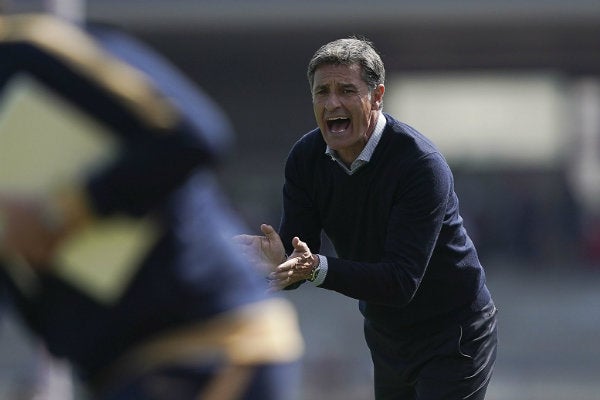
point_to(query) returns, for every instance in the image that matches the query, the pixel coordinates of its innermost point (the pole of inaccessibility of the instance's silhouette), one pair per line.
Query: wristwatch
(315, 271)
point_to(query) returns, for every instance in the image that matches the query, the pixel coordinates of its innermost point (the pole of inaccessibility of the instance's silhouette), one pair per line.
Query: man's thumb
(299, 245)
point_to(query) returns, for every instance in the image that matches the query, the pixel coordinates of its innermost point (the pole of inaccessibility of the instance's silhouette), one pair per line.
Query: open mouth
(338, 124)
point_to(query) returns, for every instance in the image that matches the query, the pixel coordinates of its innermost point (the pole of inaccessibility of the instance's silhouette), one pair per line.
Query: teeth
(338, 128)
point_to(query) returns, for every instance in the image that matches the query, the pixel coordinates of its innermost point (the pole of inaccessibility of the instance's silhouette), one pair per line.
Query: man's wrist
(315, 268)
(320, 271)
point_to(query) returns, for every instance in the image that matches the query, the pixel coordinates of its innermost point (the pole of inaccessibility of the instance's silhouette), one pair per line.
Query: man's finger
(277, 276)
(287, 265)
(279, 284)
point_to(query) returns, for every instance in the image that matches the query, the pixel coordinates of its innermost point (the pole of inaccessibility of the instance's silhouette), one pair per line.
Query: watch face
(314, 274)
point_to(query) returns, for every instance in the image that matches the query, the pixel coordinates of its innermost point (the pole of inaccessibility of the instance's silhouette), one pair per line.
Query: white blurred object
(485, 118)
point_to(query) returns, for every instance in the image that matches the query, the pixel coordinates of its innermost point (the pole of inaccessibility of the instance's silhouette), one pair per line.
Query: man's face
(345, 109)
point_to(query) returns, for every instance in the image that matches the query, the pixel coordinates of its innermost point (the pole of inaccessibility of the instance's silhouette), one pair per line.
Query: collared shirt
(363, 158)
(366, 153)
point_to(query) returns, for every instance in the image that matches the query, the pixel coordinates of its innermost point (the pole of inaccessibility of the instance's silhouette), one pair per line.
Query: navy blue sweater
(395, 226)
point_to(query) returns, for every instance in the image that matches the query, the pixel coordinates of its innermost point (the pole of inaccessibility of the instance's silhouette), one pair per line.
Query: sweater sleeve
(415, 221)
(300, 216)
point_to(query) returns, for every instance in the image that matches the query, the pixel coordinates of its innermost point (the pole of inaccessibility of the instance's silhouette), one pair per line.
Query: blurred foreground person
(384, 196)
(115, 237)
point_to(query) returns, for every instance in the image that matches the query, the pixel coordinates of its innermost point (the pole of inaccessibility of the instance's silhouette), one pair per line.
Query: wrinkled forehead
(336, 74)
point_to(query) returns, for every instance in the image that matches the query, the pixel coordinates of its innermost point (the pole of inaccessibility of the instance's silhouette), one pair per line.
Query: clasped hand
(267, 254)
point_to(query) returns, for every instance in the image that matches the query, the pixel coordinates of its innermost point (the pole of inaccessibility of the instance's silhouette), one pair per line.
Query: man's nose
(332, 102)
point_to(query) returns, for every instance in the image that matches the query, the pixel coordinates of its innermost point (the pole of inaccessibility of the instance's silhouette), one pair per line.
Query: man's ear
(377, 97)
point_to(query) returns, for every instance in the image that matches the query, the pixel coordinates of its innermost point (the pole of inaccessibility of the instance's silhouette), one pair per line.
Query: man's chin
(337, 140)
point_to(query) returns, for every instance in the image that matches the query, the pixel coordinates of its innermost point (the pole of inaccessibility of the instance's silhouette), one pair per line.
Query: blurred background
(509, 90)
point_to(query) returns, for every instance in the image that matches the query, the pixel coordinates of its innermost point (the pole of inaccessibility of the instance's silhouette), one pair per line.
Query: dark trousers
(452, 363)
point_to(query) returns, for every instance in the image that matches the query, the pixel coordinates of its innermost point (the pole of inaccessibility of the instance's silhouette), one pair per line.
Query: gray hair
(349, 51)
